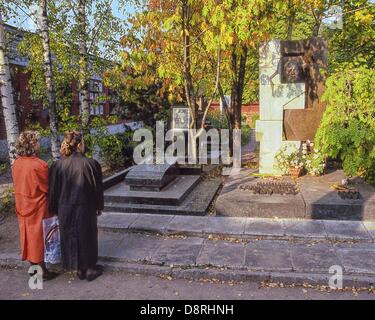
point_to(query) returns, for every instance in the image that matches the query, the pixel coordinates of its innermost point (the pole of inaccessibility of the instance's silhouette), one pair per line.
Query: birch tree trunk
(188, 81)
(83, 66)
(48, 74)
(7, 99)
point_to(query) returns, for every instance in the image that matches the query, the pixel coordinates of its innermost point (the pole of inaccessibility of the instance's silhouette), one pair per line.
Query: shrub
(4, 166)
(245, 134)
(254, 118)
(116, 150)
(219, 121)
(7, 201)
(313, 159)
(347, 129)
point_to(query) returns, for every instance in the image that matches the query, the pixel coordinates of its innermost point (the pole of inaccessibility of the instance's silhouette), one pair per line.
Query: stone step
(149, 208)
(241, 228)
(270, 255)
(173, 194)
(304, 260)
(196, 202)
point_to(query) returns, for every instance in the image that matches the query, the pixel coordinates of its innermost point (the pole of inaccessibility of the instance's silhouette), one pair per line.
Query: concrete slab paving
(264, 227)
(310, 257)
(178, 252)
(187, 224)
(222, 254)
(304, 228)
(196, 257)
(136, 247)
(346, 230)
(356, 260)
(151, 222)
(239, 226)
(108, 243)
(117, 220)
(370, 227)
(268, 255)
(227, 225)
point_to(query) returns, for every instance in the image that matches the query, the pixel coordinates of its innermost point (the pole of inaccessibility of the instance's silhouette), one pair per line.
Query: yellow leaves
(223, 28)
(186, 32)
(230, 39)
(125, 55)
(170, 97)
(363, 17)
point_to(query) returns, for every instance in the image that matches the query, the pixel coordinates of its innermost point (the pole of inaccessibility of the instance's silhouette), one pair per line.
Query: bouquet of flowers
(314, 163)
(292, 161)
(288, 160)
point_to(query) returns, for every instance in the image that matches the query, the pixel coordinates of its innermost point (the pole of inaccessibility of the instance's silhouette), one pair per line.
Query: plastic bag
(52, 247)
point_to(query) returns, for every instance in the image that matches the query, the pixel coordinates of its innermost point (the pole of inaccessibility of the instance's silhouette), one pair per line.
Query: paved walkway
(248, 150)
(291, 251)
(239, 227)
(242, 249)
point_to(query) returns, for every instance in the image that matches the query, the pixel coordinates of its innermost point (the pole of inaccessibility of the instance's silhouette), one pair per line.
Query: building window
(96, 110)
(96, 86)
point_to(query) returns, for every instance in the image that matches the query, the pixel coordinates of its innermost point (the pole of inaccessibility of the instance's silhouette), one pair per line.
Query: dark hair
(72, 142)
(27, 143)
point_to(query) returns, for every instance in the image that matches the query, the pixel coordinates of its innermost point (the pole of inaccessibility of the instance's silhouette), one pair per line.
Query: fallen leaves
(322, 288)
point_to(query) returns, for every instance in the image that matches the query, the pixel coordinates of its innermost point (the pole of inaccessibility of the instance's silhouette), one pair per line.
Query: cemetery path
(308, 258)
(248, 150)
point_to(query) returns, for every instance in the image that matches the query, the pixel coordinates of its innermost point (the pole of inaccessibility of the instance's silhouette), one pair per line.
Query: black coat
(76, 194)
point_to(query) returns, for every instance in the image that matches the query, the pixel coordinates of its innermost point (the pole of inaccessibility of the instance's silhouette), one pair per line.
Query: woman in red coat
(30, 180)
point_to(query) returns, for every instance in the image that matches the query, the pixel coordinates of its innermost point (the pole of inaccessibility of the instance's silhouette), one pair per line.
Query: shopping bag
(52, 248)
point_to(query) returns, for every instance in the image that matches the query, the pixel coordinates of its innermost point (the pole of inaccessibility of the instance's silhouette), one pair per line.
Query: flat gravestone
(151, 177)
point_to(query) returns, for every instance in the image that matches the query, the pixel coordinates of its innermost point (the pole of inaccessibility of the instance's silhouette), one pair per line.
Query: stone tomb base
(185, 194)
(173, 194)
(316, 200)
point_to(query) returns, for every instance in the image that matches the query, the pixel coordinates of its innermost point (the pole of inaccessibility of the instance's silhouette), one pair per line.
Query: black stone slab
(151, 177)
(172, 194)
(115, 179)
(190, 169)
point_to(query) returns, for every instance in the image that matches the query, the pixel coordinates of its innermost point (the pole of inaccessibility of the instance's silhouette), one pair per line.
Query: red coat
(30, 179)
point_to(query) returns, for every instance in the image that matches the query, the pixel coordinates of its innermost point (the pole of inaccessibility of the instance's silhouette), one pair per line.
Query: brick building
(248, 110)
(30, 111)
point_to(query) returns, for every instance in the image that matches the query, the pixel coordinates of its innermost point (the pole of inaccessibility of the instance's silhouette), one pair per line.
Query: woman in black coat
(76, 196)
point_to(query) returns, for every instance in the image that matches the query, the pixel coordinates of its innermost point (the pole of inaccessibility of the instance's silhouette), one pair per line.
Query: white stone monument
(274, 98)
